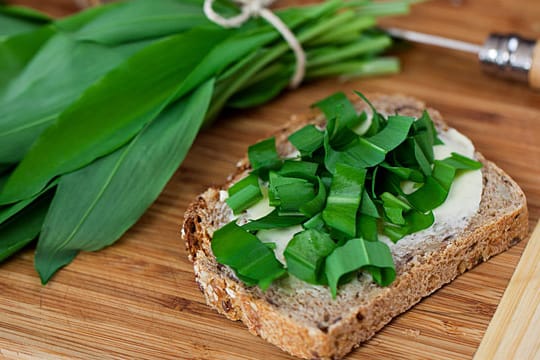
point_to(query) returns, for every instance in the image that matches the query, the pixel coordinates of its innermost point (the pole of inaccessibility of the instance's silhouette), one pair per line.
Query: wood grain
(138, 299)
(512, 333)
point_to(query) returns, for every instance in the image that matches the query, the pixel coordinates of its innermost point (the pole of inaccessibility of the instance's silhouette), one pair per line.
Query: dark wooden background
(138, 298)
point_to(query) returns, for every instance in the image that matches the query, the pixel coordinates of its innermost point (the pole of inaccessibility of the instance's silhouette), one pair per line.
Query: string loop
(259, 8)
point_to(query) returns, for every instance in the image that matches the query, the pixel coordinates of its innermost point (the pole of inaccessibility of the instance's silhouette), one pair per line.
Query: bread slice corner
(303, 319)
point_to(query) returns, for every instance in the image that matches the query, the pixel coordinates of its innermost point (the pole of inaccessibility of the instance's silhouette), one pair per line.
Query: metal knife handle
(511, 56)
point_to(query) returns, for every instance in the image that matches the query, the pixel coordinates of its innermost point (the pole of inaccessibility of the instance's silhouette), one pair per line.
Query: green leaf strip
(344, 198)
(246, 254)
(356, 254)
(305, 255)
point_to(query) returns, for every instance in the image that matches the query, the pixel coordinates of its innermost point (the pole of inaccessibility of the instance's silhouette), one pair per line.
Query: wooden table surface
(138, 298)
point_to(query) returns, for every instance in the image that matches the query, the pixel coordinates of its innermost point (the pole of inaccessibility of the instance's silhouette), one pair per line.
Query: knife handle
(512, 56)
(534, 72)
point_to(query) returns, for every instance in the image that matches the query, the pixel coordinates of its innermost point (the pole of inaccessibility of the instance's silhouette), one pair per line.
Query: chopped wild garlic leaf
(345, 190)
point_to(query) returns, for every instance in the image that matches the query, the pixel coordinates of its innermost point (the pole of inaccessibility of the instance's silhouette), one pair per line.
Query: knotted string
(255, 8)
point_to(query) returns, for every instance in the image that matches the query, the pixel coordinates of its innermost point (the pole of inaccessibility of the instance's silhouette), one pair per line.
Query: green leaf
(371, 151)
(358, 153)
(436, 187)
(23, 228)
(367, 206)
(17, 51)
(460, 162)
(444, 174)
(429, 196)
(305, 255)
(261, 91)
(238, 186)
(244, 199)
(307, 140)
(414, 221)
(358, 46)
(394, 215)
(4, 169)
(391, 200)
(425, 125)
(376, 118)
(316, 222)
(274, 221)
(358, 254)
(55, 77)
(80, 19)
(316, 204)
(366, 152)
(344, 199)
(16, 20)
(386, 8)
(341, 117)
(94, 206)
(8, 211)
(366, 227)
(263, 157)
(26, 13)
(246, 254)
(299, 169)
(393, 134)
(116, 108)
(395, 232)
(142, 19)
(417, 221)
(421, 158)
(294, 195)
(404, 173)
(276, 180)
(394, 208)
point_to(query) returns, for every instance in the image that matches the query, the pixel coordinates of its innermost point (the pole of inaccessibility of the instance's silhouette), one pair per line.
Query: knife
(506, 55)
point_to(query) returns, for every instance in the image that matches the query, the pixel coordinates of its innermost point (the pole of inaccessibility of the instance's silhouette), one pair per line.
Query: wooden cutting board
(138, 298)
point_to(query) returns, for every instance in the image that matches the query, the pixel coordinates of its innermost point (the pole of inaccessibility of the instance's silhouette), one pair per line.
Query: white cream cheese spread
(466, 191)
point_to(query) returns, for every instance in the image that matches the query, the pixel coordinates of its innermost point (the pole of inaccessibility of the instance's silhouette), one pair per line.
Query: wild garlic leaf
(273, 221)
(341, 116)
(56, 76)
(25, 13)
(116, 108)
(305, 254)
(16, 20)
(23, 228)
(94, 206)
(367, 228)
(17, 51)
(8, 211)
(142, 19)
(247, 255)
(393, 134)
(315, 205)
(261, 91)
(372, 256)
(77, 21)
(344, 198)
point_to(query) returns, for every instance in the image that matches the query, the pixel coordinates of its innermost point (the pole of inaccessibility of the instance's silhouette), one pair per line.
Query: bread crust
(494, 229)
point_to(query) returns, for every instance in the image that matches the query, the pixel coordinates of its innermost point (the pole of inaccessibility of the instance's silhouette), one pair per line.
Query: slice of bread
(303, 319)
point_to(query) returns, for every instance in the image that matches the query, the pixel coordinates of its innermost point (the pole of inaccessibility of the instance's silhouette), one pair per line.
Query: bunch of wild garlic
(99, 109)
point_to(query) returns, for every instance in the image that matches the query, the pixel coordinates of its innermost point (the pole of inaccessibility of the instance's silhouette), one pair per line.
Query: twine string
(259, 8)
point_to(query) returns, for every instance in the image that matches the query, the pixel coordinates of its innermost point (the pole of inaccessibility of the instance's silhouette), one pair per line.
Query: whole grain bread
(303, 319)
